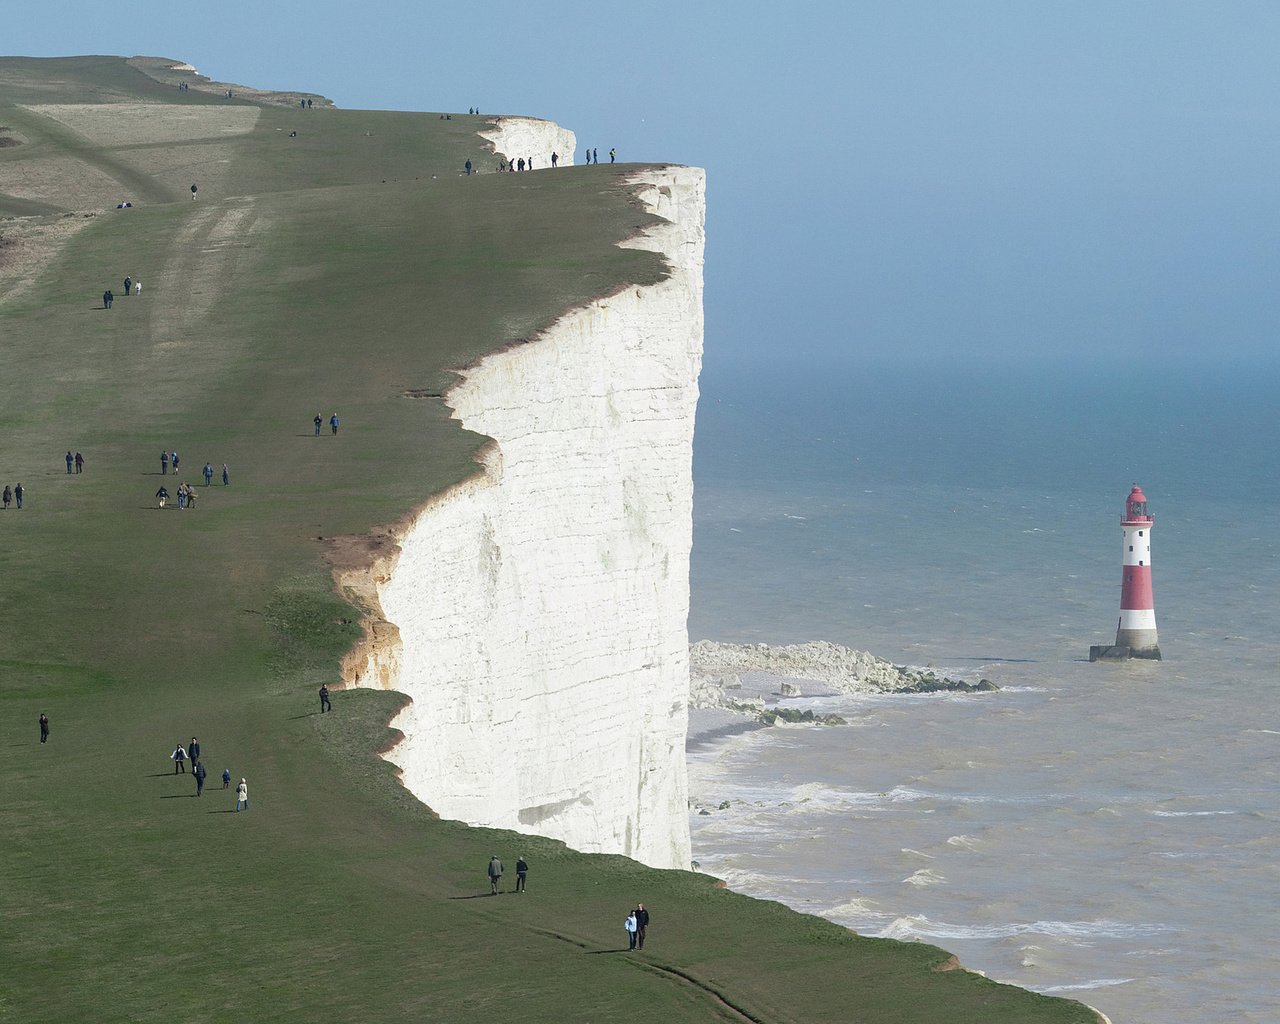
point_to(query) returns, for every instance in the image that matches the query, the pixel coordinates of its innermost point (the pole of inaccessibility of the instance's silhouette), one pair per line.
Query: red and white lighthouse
(1137, 629)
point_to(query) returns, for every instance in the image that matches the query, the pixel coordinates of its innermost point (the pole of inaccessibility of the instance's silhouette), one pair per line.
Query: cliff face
(531, 138)
(542, 605)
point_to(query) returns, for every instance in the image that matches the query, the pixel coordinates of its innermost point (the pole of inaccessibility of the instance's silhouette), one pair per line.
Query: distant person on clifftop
(612, 153)
(520, 163)
(642, 922)
(164, 463)
(495, 874)
(630, 925)
(71, 461)
(128, 285)
(163, 495)
(179, 759)
(242, 795)
(226, 475)
(79, 463)
(107, 297)
(44, 723)
(18, 492)
(319, 422)
(333, 422)
(595, 156)
(198, 770)
(226, 778)
(468, 167)
(7, 496)
(325, 705)
(522, 869)
(555, 159)
(208, 473)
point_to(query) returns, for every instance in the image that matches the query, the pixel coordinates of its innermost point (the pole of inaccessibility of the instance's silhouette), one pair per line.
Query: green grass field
(336, 271)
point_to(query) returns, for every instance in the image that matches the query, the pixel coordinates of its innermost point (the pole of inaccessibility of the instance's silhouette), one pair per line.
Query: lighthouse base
(1122, 652)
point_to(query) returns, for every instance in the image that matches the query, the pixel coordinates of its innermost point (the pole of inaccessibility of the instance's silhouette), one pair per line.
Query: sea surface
(1107, 832)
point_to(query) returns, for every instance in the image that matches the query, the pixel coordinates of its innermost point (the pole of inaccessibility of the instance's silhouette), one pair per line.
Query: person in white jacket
(242, 795)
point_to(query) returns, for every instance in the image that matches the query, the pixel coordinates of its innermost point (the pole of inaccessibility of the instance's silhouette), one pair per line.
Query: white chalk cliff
(542, 605)
(532, 138)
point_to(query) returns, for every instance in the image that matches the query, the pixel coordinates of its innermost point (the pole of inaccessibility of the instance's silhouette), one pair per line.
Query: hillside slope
(345, 268)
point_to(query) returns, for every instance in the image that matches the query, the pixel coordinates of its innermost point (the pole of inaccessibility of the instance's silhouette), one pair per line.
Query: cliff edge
(541, 606)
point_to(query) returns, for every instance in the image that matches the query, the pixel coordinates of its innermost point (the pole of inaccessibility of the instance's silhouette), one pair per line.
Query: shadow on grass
(610, 952)
(478, 896)
(309, 714)
(177, 796)
(227, 810)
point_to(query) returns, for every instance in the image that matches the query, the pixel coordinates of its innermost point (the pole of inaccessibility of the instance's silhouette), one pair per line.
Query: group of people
(186, 493)
(636, 923)
(9, 495)
(319, 422)
(496, 869)
(593, 155)
(75, 462)
(130, 286)
(180, 756)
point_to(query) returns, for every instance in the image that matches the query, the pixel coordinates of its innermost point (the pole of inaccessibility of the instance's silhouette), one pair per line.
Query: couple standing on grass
(636, 923)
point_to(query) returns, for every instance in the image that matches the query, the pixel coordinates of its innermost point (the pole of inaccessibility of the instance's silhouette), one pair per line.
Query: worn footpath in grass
(311, 284)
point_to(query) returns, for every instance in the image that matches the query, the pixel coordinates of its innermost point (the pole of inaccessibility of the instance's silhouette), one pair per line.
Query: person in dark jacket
(44, 727)
(164, 463)
(71, 461)
(7, 496)
(522, 869)
(107, 298)
(193, 749)
(324, 699)
(495, 874)
(319, 423)
(163, 495)
(642, 922)
(79, 463)
(199, 772)
(18, 492)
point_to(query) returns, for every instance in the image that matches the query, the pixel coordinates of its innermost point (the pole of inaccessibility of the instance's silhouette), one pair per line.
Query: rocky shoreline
(734, 688)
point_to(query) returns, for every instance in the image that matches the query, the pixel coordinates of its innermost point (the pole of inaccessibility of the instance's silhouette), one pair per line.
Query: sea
(1107, 832)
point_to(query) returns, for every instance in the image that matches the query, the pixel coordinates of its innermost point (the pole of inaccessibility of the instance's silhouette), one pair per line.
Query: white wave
(1192, 814)
(964, 842)
(918, 853)
(925, 877)
(1085, 985)
(802, 519)
(920, 927)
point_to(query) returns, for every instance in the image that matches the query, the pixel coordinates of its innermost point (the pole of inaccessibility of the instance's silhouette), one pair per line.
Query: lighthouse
(1136, 632)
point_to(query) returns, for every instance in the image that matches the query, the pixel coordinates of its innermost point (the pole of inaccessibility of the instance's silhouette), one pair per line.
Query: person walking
(173, 457)
(612, 153)
(18, 492)
(200, 774)
(226, 778)
(333, 422)
(71, 461)
(468, 166)
(106, 299)
(555, 158)
(324, 699)
(595, 156)
(319, 423)
(163, 495)
(7, 496)
(193, 749)
(522, 869)
(242, 795)
(495, 874)
(226, 476)
(179, 759)
(137, 288)
(208, 473)
(44, 727)
(182, 495)
(642, 922)
(79, 463)
(164, 463)
(128, 285)
(630, 925)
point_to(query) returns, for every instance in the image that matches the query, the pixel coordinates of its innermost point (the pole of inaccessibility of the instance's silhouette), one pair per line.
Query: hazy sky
(892, 180)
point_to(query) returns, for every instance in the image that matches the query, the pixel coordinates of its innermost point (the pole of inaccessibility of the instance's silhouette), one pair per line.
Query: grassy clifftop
(348, 268)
